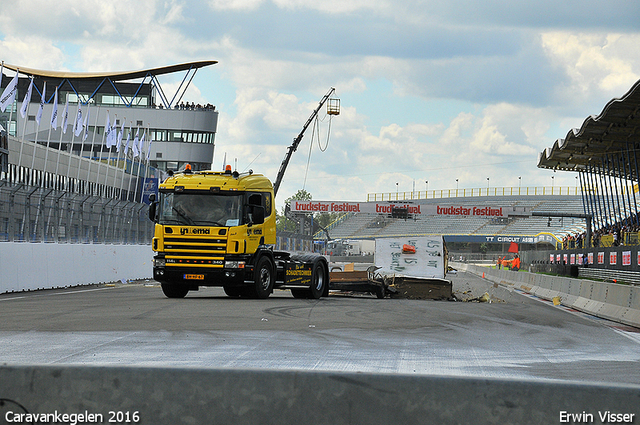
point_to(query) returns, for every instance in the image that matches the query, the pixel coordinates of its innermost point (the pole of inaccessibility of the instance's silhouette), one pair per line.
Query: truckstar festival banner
(390, 207)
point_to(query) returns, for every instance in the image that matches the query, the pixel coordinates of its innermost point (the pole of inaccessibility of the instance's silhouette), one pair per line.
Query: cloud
(32, 52)
(604, 64)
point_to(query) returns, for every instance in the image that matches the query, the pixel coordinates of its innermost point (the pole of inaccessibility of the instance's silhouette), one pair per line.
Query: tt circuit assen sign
(390, 207)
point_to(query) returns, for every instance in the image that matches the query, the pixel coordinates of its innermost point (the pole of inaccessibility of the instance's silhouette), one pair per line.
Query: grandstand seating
(366, 225)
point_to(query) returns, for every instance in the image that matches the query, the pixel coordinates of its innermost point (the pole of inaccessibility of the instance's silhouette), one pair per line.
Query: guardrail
(620, 303)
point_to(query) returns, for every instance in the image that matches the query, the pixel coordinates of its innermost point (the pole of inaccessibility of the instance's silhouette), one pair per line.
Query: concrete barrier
(29, 266)
(620, 303)
(213, 396)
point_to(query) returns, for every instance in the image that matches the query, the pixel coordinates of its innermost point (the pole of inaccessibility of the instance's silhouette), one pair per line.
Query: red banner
(389, 207)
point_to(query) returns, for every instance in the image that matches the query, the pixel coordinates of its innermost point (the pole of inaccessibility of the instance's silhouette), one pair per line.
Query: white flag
(126, 146)
(141, 147)
(39, 114)
(9, 93)
(107, 130)
(54, 113)
(27, 99)
(112, 135)
(86, 123)
(120, 134)
(136, 152)
(77, 129)
(65, 117)
(149, 149)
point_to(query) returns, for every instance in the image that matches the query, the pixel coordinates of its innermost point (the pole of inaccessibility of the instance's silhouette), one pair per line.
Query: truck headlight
(158, 262)
(234, 264)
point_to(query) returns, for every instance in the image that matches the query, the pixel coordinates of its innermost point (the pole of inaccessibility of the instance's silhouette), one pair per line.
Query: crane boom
(294, 146)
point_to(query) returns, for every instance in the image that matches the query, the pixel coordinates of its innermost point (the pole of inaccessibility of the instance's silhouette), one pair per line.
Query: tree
(320, 220)
(285, 224)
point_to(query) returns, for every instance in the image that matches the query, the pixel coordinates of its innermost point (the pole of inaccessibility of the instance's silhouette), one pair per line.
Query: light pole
(396, 191)
(426, 189)
(487, 185)
(519, 182)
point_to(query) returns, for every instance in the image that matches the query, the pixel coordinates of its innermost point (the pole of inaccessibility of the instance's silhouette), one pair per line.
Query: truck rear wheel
(171, 290)
(319, 282)
(263, 278)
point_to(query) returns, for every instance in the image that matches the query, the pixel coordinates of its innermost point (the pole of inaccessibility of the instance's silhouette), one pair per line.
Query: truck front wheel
(171, 290)
(263, 278)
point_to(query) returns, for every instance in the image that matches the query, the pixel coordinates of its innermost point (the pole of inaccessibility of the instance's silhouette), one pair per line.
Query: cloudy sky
(430, 91)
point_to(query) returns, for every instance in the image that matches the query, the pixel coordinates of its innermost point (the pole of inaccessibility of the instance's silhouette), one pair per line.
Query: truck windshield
(200, 209)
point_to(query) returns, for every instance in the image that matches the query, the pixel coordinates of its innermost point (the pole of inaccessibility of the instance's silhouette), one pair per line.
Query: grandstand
(371, 225)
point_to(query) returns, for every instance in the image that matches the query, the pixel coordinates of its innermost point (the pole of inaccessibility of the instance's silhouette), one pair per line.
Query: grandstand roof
(114, 76)
(613, 133)
(120, 82)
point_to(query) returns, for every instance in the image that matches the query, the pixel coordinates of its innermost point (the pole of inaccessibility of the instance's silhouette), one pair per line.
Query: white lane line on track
(56, 293)
(12, 298)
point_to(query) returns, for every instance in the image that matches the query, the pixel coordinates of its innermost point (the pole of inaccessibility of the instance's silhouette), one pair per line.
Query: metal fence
(41, 214)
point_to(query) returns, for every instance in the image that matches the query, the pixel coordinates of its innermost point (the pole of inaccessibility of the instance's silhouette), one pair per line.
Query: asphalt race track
(513, 336)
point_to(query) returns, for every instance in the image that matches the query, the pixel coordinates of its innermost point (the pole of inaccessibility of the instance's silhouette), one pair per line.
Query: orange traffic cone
(483, 275)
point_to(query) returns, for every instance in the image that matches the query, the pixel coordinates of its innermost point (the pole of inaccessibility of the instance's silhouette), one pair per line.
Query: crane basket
(333, 106)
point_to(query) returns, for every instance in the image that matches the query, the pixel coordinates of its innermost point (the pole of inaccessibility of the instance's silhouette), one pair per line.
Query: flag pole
(106, 173)
(73, 139)
(54, 115)
(148, 153)
(119, 150)
(63, 130)
(26, 118)
(38, 119)
(135, 194)
(147, 171)
(11, 114)
(93, 139)
(124, 168)
(85, 129)
(104, 133)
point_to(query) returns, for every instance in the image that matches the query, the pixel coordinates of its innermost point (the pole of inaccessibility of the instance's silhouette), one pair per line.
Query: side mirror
(153, 206)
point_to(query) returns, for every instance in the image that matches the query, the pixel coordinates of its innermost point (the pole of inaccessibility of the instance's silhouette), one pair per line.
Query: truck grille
(196, 251)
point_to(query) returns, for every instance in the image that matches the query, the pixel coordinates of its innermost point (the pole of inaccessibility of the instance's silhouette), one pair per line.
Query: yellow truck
(219, 229)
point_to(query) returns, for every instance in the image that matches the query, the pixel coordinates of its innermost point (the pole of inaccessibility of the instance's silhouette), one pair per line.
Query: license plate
(193, 277)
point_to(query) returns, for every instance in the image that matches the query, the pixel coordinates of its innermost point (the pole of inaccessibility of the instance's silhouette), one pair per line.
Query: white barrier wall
(620, 303)
(29, 266)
